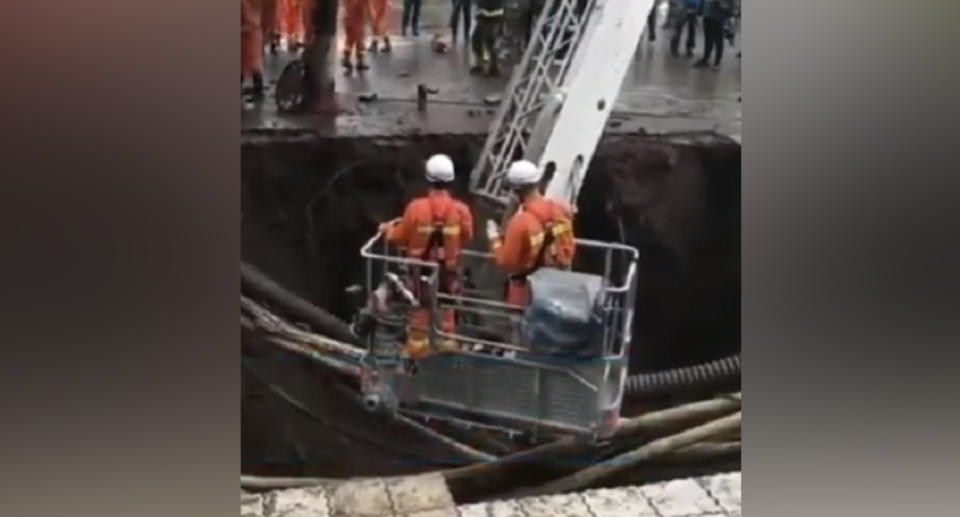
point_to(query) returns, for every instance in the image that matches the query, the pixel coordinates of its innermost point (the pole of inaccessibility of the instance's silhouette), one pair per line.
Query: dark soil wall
(309, 204)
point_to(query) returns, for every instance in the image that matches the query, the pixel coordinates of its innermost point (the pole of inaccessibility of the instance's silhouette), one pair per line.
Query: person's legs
(708, 42)
(477, 43)
(467, 19)
(405, 17)
(415, 18)
(493, 33)
(454, 19)
(652, 23)
(691, 33)
(718, 42)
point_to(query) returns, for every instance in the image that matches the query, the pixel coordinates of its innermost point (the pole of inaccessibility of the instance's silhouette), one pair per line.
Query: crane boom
(561, 94)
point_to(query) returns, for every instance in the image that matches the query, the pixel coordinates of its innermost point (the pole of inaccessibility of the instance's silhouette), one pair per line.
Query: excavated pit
(308, 204)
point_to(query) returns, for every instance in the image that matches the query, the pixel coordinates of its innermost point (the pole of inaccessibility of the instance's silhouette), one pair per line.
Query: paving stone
(300, 502)
(492, 509)
(412, 494)
(251, 505)
(725, 488)
(680, 498)
(563, 505)
(440, 512)
(620, 502)
(360, 498)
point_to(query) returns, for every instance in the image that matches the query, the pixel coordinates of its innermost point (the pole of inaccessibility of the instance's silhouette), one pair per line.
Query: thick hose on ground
(261, 286)
(706, 375)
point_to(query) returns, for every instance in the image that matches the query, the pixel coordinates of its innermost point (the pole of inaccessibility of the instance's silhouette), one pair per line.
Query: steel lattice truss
(546, 61)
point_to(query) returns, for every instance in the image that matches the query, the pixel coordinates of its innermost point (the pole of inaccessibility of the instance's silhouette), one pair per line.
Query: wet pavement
(661, 93)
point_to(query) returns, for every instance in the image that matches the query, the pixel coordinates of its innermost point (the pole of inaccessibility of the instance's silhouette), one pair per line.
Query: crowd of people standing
(270, 24)
(719, 19)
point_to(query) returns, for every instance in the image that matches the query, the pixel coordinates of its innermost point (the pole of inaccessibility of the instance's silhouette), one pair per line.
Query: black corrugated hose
(705, 375)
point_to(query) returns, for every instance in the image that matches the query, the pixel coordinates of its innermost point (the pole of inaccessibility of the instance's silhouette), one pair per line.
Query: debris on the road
(492, 100)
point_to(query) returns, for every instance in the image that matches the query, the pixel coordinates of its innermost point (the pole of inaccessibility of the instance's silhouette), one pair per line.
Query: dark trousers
(713, 38)
(652, 21)
(485, 39)
(460, 8)
(411, 17)
(688, 19)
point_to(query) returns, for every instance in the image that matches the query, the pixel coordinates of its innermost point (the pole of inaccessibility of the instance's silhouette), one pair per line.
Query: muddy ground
(309, 203)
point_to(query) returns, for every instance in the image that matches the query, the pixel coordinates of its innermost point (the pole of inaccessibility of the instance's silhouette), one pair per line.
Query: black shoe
(689, 53)
(386, 44)
(416, 31)
(494, 72)
(257, 86)
(374, 45)
(674, 52)
(476, 69)
(361, 65)
(701, 64)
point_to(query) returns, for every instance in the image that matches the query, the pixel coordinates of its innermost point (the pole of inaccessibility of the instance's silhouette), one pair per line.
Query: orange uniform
(354, 21)
(251, 37)
(426, 222)
(378, 17)
(292, 20)
(539, 234)
(270, 19)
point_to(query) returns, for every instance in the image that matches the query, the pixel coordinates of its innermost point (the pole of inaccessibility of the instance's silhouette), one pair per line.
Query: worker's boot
(478, 68)
(257, 85)
(361, 63)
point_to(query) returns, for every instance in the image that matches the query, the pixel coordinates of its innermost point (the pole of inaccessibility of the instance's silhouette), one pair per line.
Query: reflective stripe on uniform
(536, 239)
(450, 229)
(490, 14)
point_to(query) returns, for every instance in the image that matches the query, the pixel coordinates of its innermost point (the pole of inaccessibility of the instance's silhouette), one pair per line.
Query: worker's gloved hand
(387, 225)
(493, 230)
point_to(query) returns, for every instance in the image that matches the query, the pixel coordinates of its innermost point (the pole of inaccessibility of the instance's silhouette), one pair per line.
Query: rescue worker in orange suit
(539, 235)
(354, 22)
(292, 23)
(433, 228)
(251, 44)
(378, 25)
(271, 24)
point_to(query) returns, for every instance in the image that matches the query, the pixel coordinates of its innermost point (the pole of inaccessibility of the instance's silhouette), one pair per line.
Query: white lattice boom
(561, 93)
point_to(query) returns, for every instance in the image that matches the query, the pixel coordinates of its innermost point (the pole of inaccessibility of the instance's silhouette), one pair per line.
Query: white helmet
(439, 169)
(522, 173)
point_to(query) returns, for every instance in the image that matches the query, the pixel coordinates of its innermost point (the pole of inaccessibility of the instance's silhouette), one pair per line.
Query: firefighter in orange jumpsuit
(539, 235)
(251, 44)
(271, 23)
(433, 228)
(354, 25)
(378, 24)
(291, 23)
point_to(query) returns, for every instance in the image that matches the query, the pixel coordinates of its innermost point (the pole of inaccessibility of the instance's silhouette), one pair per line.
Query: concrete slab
(680, 498)
(419, 493)
(619, 502)
(725, 489)
(361, 498)
(423, 496)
